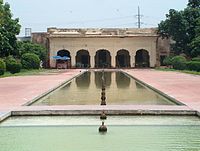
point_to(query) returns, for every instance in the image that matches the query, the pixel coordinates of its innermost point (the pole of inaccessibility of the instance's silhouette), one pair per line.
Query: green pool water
(129, 133)
(120, 89)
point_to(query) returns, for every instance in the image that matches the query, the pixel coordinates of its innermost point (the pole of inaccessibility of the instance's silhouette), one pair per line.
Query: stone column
(152, 59)
(52, 61)
(73, 60)
(133, 59)
(113, 59)
(92, 59)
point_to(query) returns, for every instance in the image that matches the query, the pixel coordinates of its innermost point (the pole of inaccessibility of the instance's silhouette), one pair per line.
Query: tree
(194, 3)
(175, 27)
(195, 44)
(182, 26)
(29, 47)
(9, 28)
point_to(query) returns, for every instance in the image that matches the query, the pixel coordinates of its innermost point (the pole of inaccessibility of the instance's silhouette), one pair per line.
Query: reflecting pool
(120, 89)
(129, 133)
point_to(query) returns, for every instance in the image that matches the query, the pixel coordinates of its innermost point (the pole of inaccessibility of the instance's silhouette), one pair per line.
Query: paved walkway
(16, 91)
(180, 86)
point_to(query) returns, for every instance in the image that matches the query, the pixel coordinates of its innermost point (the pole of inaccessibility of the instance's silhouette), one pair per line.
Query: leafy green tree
(29, 47)
(182, 27)
(194, 3)
(9, 28)
(195, 44)
(175, 27)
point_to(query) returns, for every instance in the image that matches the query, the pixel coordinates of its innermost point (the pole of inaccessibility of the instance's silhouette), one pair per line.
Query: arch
(123, 59)
(102, 59)
(142, 58)
(63, 53)
(63, 63)
(82, 59)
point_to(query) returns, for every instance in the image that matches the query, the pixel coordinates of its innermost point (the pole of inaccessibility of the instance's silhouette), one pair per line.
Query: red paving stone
(16, 91)
(180, 86)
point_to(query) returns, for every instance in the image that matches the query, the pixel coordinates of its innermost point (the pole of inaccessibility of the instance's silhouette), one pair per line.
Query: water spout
(102, 128)
(103, 116)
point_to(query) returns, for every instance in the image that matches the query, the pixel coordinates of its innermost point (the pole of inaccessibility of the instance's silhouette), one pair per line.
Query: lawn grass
(183, 71)
(25, 72)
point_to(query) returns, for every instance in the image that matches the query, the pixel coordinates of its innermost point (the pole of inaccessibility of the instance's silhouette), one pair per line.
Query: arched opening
(142, 59)
(102, 59)
(82, 59)
(123, 59)
(60, 63)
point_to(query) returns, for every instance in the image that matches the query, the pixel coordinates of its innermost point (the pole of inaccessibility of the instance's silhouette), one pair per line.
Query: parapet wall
(101, 32)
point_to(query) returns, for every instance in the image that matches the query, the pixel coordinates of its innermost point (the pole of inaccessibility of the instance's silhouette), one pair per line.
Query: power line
(100, 20)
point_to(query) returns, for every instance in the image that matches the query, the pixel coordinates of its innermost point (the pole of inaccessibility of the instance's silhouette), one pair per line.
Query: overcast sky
(41, 14)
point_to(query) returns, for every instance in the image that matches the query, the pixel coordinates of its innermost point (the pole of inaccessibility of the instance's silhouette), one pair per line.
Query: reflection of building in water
(106, 47)
(122, 80)
(83, 81)
(139, 86)
(98, 79)
(120, 90)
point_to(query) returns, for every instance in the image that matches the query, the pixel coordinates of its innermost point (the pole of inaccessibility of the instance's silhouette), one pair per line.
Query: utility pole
(139, 18)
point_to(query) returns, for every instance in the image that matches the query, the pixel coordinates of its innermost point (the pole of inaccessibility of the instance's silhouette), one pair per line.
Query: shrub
(12, 65)
(15, 67)
(2, 67)
(30, 61)
(179, 62)
(193, 66)
(196, 59)
(168, 61)
(9, 60)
